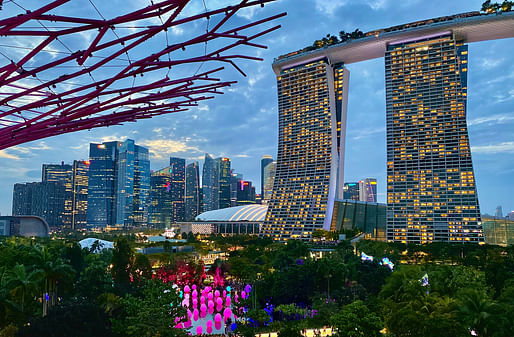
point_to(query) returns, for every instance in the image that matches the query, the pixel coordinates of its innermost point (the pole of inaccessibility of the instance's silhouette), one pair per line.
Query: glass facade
(161, 207)
(266, 159)
(192, 191)
(312, 120)
(224, 182)
(369, 218)
(431, 192)
(210, 184)
(61, 174)
(368, 190)
(177, 171)
(498, 231)
(351, 191)
(79, 203)
(269, 178)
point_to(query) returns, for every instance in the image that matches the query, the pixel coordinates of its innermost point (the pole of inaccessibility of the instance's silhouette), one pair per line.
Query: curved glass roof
(254, 213)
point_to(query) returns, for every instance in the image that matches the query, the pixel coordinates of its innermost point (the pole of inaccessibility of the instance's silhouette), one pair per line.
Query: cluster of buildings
(116, 188)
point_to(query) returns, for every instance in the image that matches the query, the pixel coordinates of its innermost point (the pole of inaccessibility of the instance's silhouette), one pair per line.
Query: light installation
(104, 87)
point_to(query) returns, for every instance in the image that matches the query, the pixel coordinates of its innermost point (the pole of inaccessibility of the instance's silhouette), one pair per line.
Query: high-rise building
(61, 174)
(224, 182)
(235, 178)
(178, 187)
(210, 184)
(266, 159)
(193, 191)
(44, 199)
(161, 205)
(312, 100)
(245, 193)
(431, 191)
(79, 189)
(141, 199)
(499, 212)
(368, 190)
(351, 191)
(269, 179)
(102, 185)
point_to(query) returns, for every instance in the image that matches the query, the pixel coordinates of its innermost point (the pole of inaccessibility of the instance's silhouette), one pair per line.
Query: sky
(242, 124)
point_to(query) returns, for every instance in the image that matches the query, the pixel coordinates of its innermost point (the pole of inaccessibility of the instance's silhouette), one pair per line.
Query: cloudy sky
(242, 123)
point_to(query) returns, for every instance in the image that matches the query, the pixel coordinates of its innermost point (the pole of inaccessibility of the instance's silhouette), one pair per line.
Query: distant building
(79, 193)
(193, 191)
(234, 180)
(245, 193)
(224, 182)
(42, 199)
(510, 216)
(265, 161)
(61, 174)
(269, 179)
(498, 230)
(177, 171)
(351, 191)
(210, 184)
(161, 207)
(368, 190)
(28, 226)
(499, 212)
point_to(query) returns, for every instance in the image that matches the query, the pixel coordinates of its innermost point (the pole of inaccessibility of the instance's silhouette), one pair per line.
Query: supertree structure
(51, 86)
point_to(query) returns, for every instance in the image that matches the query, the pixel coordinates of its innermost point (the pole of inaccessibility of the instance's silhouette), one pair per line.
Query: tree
(95, 279)
(23, 283)
(480, 313)
(121, 264)
(356, 320)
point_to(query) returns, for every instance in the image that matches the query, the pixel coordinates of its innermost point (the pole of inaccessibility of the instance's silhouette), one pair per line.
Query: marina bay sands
(431, 189)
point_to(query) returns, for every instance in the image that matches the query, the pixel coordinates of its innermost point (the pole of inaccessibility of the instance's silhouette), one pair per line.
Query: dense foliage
(54, 288)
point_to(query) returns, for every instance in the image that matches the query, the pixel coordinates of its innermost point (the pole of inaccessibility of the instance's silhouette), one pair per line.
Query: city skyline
(218, 126)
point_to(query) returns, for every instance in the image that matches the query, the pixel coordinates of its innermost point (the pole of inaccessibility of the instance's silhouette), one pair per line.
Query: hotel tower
(312, 101)
(431, 191)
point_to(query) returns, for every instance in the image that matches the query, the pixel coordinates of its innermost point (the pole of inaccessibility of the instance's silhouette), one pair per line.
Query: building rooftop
(251, 213)
(468, 27)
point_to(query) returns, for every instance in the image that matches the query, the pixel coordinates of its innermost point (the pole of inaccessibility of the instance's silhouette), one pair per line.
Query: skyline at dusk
(242, 124)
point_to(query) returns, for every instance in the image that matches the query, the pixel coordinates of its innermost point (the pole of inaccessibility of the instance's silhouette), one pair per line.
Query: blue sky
(242, 123)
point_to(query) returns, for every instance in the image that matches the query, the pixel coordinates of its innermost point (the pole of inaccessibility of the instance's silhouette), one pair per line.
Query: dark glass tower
(224, 182)
(192, 191)
(351, 191)
(431, 191)
(210, 184)
(266, 159)
(79, 187)
(102, 184)
(61, 174)
(311, 137)
(44, 199)
(178, 187)
(161, 206)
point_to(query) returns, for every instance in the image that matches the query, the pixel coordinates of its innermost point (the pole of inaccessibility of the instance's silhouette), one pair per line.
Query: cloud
(41, 146)
(7, 155)
(489, 63)
(364, 133)
(328, 7)
(505, 147)
(162, 148)
(494, 119)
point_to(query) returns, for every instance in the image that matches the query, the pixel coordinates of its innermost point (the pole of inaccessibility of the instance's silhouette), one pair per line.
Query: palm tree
(479, 313)
(5, 296)
(53, 270)
(23, 283)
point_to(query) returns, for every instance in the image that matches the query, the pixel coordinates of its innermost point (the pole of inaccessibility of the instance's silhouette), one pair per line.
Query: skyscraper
(161, 206)
(266, 159)
(499, 212)
(102, 184)
(210, 184)
(44, 199)
(192, 191)
(178, 187)
(141, 186)
(245, 193)
(269, 179)
(79, 199)
(351, 191)
(312, 99)
(224, 182)
(431, 192)
(235, 178)
(368, 190)
(61, 174)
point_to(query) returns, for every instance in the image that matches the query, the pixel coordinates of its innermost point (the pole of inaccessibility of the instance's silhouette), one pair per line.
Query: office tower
(235, 178)
(132, 184)
(61, 174)
(312, 99)
(161, 205)
(351, 191)
(266, 159)
(431, 192)
(178, 187)
(499, 212)
(101, 205)
(141, 199)
(192, 191)
(269, 178)
(79, 193)
(224, 182)
(44, 199)
(245, 193)
(210, 184)
(368, 190)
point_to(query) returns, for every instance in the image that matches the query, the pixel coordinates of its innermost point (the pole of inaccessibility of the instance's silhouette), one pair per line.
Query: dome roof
(254, 213)
(102, 244)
